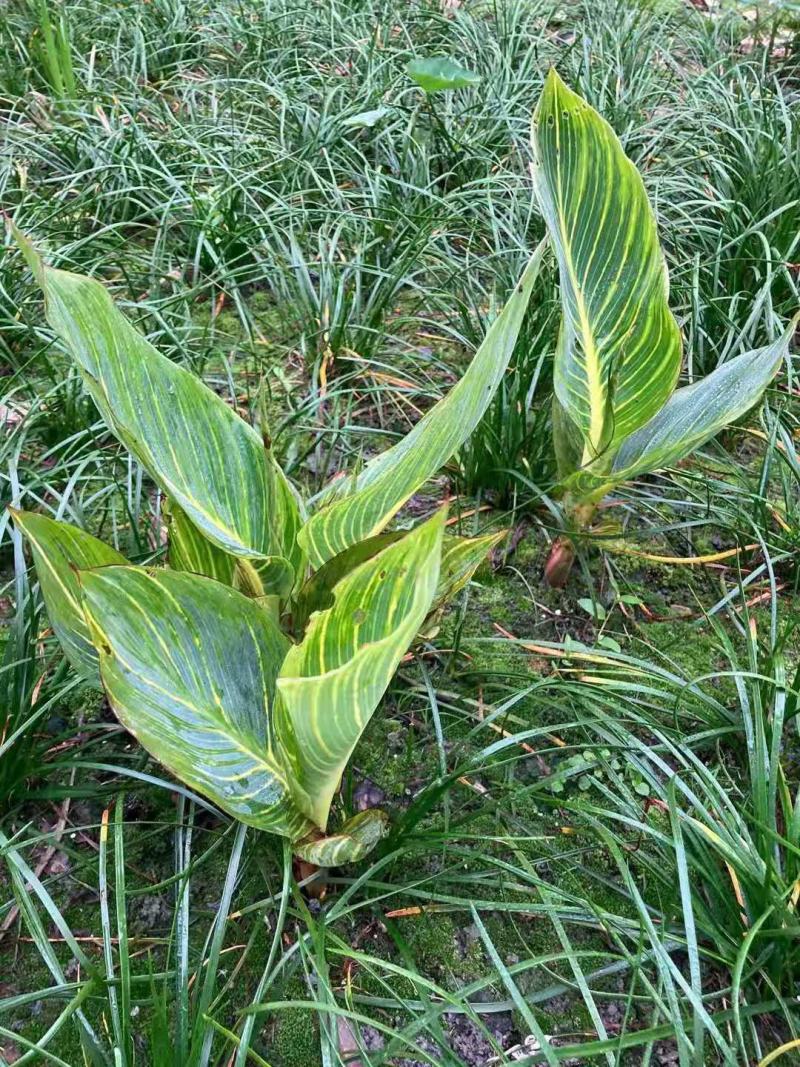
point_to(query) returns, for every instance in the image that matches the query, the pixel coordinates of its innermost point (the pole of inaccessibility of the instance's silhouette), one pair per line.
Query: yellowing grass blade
(776, 1053)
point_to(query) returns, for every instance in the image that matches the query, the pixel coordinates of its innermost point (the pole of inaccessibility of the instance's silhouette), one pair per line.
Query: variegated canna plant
(250, 666)
(617, 414)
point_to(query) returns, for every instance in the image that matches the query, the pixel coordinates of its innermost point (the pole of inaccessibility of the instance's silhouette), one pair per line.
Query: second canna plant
(616, 411)
(251, 664)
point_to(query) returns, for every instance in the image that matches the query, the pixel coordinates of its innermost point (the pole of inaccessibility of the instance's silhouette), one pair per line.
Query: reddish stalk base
(559, 563)
(315, 889)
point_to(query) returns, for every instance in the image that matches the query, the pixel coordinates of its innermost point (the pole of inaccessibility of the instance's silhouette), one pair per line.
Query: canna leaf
(461, 557)
(189, 667)
(356, 838)
(317, 593)
(330, 684)
(619, 349)
(353, 509)
(566, 441)
(190, 551)
(59, 550)
(697, 412)
(208, 460)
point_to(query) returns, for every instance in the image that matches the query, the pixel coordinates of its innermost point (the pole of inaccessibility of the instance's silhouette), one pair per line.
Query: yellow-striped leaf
(353, 509)
(189, 666)
(567, 444)
(697, 412)
(619, 350)
(356, 838)
(208, 460)
(59, 550)
(330, 684)
(461, 557)
(317, 593)
(190, 550)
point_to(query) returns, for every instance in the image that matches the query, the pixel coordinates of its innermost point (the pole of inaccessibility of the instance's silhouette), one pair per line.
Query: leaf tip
(556, 100)
(26, 246)
(552, 80)
(18, 516)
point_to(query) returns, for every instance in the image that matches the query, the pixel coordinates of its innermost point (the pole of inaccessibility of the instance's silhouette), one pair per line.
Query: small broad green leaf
(697, 412)
(591, 607)
(365, 119)
(189, 667)
(330, 684)
(440, 72)
(604, 641)
(59, 551)
(356, 838)
(353, 509)
(189, 550)
(619, 349)
(207, 459)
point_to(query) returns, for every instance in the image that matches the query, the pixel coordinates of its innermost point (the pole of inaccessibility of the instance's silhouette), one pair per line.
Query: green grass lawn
(593, 792)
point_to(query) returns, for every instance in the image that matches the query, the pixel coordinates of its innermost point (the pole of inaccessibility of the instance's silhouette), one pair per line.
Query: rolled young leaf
(697, 412)
(59, 550)
(619, 349)
(189, 667)
(203, 455)
(356, 838)
(351, 510)
(330, 684)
